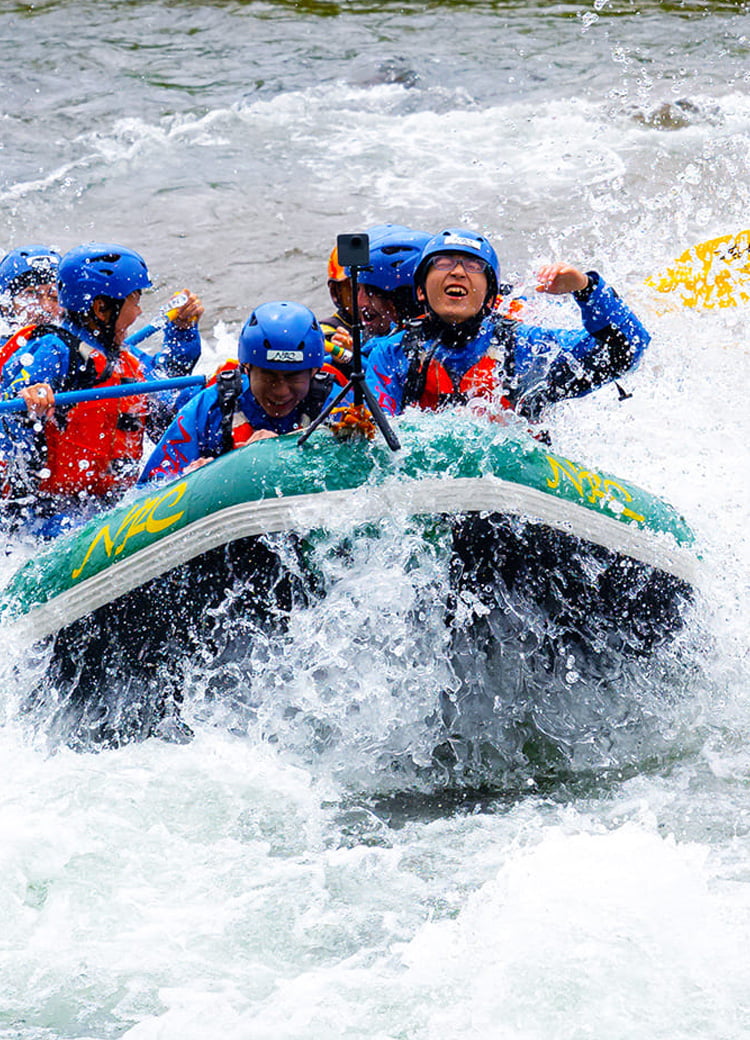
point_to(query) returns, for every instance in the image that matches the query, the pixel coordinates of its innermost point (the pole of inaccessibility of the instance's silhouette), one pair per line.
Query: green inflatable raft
(452, 467)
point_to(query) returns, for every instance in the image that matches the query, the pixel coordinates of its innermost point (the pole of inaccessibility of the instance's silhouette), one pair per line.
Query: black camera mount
(354, 253)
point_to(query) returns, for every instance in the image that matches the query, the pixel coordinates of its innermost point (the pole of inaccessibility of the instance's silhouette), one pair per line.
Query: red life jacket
(337, 376)
(19, 339)
(242, 431)
(435, 388)
(429, 386)
(236, 428)
(96, 446)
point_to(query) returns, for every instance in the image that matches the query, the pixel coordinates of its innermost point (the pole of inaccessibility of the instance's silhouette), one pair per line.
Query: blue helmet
(459, 240)
(394, 254)
(282, 336)
(99, 269)
(26, 266)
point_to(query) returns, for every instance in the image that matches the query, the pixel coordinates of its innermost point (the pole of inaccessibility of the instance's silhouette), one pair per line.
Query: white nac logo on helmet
(285, 355)
(460, 240)
(40, 263)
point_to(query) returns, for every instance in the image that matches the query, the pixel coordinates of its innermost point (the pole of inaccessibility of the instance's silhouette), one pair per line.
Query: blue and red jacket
(94, 447)
(525, 367)
(224, 416)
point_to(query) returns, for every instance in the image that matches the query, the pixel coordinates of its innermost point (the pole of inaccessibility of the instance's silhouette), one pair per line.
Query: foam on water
(163, 893)
(618, 931)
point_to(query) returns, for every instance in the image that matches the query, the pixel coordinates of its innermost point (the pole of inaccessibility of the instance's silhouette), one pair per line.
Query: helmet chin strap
(455, 336)
(104, 329)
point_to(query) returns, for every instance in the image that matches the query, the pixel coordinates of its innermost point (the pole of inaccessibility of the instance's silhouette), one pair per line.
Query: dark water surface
(233, 141)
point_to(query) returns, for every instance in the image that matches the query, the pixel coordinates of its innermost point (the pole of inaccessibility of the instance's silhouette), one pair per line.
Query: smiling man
(278, 387)
(462, 349)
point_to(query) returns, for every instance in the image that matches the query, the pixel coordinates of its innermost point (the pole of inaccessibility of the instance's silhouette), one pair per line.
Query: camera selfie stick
(354, 253)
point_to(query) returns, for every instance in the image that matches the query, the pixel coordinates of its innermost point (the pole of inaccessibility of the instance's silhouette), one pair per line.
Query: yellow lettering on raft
(141, 517)
(599, 488)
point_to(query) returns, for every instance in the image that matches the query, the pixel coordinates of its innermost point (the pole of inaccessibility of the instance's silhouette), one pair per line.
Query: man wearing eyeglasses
(463, 350)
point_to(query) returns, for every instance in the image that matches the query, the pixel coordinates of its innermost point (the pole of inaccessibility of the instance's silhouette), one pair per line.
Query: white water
(251, 884)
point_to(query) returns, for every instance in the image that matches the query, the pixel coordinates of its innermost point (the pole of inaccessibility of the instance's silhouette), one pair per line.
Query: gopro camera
(353, 250)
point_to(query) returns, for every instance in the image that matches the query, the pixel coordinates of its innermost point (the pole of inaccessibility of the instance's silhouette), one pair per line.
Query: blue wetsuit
(50, 363)
(58, 356)
(214, 422)
(536, 366)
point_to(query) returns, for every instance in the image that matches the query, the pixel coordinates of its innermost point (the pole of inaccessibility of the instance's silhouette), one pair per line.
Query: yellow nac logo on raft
(144, 516)
(592, 486)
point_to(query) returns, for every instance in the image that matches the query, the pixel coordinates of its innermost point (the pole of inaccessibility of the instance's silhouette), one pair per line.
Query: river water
(272, 879)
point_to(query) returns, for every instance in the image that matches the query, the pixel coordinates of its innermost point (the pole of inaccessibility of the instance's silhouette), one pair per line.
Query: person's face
(454, 293)
(341, 294)
(376, 310)
(279, 393)
(37, 303)
(130, 310)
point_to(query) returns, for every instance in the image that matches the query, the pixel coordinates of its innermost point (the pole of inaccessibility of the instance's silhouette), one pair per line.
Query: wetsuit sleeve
(48, 364)
(194, 433)
(612, 323)
(181, 350)
(387, 355)
(554, 364)
(386, 368)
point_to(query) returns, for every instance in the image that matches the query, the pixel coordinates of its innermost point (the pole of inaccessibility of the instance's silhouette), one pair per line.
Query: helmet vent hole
(104, 258)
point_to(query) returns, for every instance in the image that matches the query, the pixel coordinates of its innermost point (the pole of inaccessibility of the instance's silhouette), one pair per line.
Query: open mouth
(456, 292)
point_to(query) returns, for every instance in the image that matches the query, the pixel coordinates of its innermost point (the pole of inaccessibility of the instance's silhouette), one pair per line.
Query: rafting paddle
(99, 393)
(715, 273)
